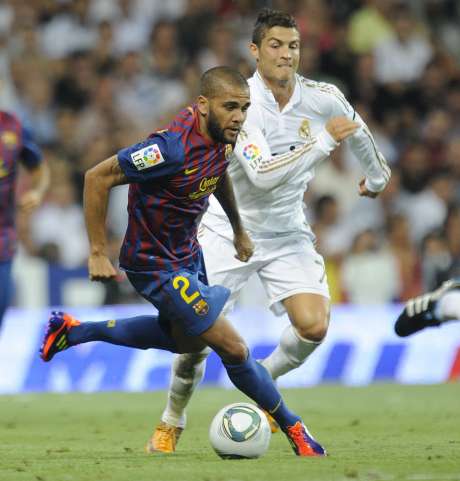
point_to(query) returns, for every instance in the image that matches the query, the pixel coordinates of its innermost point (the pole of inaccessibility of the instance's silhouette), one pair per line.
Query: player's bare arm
(98, 182)
(226, 197)
(39, 181)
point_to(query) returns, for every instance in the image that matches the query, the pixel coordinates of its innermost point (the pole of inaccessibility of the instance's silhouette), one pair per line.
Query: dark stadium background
(92, 76)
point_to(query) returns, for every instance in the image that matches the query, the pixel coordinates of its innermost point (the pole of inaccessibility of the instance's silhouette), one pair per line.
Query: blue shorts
(5, 287)
(182, 296)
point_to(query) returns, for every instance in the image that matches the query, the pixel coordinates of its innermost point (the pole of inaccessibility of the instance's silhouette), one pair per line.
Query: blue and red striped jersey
(171, 174)
(16, 144)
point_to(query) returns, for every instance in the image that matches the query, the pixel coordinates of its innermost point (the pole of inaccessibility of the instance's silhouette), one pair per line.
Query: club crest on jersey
(147, 157)
(201, 307)
(304, 130)
(251, 152)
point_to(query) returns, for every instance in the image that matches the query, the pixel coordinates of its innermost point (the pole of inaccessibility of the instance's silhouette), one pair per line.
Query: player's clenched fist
(243, 245)
(365, 192)
(100, 268)
(341, 127)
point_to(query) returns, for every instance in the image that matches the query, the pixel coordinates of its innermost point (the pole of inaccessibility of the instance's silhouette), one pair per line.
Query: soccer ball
(240, 430)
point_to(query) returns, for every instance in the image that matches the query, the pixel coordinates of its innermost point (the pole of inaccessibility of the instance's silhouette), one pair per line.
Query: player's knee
(313, 325)
(234, 353)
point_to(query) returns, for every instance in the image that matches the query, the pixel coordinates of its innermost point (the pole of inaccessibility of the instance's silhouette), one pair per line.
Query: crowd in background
(91, 76)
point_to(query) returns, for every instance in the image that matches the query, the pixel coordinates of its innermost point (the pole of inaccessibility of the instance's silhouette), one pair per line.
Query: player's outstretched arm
(375, 168)
(98, 182)
(226, 197)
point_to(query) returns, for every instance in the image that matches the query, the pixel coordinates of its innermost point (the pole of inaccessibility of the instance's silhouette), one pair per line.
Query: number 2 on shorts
(183, 283)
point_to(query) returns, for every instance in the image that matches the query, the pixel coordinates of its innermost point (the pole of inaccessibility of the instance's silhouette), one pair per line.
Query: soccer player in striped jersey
(293, 123)
(16, 146)
(171, 176)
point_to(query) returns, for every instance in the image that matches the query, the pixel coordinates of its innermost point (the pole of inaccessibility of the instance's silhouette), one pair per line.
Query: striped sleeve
(265, 170)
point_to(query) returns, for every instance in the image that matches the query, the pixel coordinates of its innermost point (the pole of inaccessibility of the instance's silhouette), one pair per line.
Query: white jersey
(276, 154)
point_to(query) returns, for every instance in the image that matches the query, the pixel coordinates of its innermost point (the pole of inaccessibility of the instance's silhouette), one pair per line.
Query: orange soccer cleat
(302, 442)
(164, 439)
(55, 339)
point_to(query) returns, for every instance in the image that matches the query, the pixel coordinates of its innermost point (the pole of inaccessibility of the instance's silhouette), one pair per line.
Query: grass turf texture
(377, 433)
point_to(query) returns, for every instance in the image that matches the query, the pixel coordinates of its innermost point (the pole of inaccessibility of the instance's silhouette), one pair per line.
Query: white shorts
(285, 265)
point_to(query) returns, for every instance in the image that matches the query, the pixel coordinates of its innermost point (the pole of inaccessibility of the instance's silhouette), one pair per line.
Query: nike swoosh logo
(190, 171)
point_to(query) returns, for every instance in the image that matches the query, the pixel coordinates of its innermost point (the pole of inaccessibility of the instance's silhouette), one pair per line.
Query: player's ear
(254, 49)
(202, 104)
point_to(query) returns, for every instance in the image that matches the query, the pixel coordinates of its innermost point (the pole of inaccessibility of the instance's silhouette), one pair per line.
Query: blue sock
(254, 380)
(6, 287)
(141, 332)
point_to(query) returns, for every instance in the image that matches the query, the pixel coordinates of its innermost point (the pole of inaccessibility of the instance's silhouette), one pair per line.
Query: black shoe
(419, 312)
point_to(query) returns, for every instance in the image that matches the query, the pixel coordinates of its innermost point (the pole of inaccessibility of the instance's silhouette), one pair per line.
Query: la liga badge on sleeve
(147, 157)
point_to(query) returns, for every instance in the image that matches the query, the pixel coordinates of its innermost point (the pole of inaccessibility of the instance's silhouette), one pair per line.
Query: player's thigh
(222, 267)
(186, 305)
(294, 268)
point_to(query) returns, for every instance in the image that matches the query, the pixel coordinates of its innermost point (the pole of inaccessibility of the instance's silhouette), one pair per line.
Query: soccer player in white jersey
(292, 124)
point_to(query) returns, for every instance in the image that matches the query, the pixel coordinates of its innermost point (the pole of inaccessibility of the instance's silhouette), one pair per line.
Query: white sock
(448, 307)
(289, 354)
(186, 373)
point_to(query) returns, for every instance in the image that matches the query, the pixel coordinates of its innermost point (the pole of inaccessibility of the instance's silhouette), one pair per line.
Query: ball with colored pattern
(240, 430)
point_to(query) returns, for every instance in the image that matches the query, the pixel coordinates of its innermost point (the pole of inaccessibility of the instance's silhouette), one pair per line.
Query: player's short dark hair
(269, 18)
(213, 79)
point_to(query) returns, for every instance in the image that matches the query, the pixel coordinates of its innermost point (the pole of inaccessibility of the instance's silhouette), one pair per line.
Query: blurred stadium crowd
(92, 76)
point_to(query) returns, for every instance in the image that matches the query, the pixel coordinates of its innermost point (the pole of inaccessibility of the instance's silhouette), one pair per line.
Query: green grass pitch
(376, 433)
